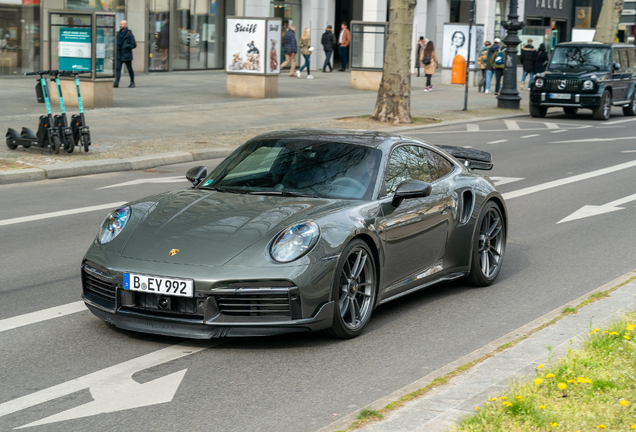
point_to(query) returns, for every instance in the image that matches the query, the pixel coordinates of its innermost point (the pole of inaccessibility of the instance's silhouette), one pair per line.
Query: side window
(406, 162)
(631, 55)
(616, 59)
(438, 165)
(625, 66)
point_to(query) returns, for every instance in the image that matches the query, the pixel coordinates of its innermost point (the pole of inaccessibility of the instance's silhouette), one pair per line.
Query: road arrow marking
(498, 181)
(113, 388)
(61, 213)
(41, 315)
(157, 180)
(592, 210)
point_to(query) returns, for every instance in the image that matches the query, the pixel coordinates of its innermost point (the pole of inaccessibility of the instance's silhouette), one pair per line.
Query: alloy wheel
(356, 289)
(491, 243)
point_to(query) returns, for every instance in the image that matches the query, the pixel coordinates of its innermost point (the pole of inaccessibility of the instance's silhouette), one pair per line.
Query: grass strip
(568, 310)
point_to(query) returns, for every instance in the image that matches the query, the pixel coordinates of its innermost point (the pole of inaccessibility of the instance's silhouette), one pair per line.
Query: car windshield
(298, 167)
(568, 59)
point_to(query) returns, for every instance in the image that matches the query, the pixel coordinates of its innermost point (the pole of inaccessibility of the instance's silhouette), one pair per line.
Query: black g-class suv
(588, 75)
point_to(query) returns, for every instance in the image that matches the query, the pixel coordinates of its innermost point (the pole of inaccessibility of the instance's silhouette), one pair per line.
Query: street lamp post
(509, 95)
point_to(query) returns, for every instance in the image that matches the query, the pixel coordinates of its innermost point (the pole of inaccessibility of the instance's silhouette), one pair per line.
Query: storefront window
(19, 36)
(158, 35)
(287, 11)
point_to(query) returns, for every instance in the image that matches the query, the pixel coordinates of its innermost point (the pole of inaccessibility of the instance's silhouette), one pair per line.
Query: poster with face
(455, 42)
(273, 45)
(245, 50)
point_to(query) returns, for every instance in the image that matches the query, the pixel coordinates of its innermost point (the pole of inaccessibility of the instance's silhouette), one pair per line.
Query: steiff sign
(549, 8)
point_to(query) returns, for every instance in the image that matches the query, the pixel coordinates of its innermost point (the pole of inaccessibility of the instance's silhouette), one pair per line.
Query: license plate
(159, 285)
(560, 96)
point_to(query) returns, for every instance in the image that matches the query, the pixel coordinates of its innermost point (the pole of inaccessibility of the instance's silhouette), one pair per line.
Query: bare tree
(608, 21)
(394, 96)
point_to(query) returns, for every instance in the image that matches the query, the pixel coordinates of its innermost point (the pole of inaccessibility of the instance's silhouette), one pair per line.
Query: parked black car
(589, 75)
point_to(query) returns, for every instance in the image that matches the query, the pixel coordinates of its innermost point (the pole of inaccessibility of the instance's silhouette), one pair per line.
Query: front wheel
(489, 246)
(630, 110)
(604, 110)
(69, 146)
(354, 291)
(85, 142)
(56, 144)
(538, 111)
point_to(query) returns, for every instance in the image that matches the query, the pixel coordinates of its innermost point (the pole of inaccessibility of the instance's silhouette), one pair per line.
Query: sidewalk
(189, 111)
(442, 407)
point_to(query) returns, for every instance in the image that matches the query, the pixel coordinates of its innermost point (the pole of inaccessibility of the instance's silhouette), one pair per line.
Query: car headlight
(588, 85)
(294, 242)
(538, 83)
(114, 224)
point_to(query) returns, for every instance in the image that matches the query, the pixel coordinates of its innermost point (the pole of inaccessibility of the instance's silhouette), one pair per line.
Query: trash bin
(458, 71)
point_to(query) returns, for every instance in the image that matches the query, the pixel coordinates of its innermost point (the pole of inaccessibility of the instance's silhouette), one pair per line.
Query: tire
(69, 146)
(570, 110)
(23, 135)
(9, 144)
(604, 110)
(489, 246)
(538, 111)
(85, 142)
(56, 144)
(355, 296)
(630, 110)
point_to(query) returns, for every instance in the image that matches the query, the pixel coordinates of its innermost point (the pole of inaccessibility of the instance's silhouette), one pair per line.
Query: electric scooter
(60, 121)
(81, 133)
(48, 134)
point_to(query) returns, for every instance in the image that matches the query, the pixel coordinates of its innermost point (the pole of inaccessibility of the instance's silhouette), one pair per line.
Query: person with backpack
(528, 60)
(329, 42)
(542, 60)
(430, 62)
(482, 62)
(497, 64)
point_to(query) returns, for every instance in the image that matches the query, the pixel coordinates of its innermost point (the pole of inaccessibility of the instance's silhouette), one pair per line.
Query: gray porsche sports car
(297, 230)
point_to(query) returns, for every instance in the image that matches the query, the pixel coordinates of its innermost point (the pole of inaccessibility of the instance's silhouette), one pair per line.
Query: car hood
(210, 228)
(573, 75)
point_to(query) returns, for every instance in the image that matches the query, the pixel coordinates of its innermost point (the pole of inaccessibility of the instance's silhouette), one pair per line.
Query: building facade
(181, 35)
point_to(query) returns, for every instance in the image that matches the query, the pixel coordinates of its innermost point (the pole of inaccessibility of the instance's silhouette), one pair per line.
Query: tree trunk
(394, 96)
(608, 21)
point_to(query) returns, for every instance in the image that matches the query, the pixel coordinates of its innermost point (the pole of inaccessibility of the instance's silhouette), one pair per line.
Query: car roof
(596, 44)
(345, 136)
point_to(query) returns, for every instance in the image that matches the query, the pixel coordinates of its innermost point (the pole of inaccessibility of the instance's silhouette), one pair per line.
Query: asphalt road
(72, 372)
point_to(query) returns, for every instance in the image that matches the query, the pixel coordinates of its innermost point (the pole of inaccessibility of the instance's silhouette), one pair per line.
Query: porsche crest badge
(173, 252)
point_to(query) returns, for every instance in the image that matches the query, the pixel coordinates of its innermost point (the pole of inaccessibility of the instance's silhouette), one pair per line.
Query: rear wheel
(24, 135)
(570, 110)
(537, 110)
(10, 144)
(489, 246)
(630, 110)
(85, 142)
(69, 146)
(354, 291)
(56, 144)
(604, 110)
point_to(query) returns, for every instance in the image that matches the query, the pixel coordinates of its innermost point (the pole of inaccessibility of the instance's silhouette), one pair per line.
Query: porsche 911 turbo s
(297, 230)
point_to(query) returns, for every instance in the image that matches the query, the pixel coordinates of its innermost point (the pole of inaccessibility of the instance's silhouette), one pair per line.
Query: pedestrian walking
(164, 42)
(528, 61)
(125, 44)
(305, 50)
(421, 43)
(482, 60)
(497, 63)
(329, 43)
(291, 48)
(542, 60)
(343, 45)
(430, 62)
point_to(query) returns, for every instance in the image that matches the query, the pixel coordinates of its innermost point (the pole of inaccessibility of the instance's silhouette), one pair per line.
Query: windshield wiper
(218, 189)
(283, 193)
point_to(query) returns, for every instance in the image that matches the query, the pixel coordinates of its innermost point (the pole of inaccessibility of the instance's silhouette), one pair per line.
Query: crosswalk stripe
(43, 315)
(512, 125)
(60, 213)
(552, 125)
(472, 128)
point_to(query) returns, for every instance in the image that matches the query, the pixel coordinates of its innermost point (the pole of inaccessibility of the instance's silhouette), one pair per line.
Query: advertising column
(252, 52)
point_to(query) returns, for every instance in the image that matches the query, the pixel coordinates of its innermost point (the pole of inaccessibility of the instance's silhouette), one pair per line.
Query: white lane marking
(159, 180)
(594, 210)
(530, 136)
(498, 181)
(559, 131)
(497, 142)
(113, 388)
(568, 180)
(60, 213)
(552, 125)
(620, 121)
(628, 151)
(43, 315)
(472, 128)
(609, 127)
(586, 140)
(512, 125)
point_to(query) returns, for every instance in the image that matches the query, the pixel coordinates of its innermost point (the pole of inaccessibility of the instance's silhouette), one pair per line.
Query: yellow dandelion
(571, 381)
(630, 327)
(520, 398)
(606, 332)
(541, 406)
(581, 380)
(613, 333)
(554, 424)
(623, 402)
(601, 426)
(597, 329)
(633, 427)
(550, 375)
(563, 386)
(476, 408)
(538, 381)
(592, 332)
(588, 381)
(540, 366)
(503, 398)
(626, 337)
(507, 404)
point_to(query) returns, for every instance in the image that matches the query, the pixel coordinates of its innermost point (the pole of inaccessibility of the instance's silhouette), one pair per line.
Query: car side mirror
(617, 67)
(411, 189)
(196, 175)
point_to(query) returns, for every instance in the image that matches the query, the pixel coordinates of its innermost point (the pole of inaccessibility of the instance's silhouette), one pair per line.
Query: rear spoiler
(473, 159)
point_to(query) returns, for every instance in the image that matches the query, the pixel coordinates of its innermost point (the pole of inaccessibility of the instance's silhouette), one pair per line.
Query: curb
(452, 122)
(75, 169)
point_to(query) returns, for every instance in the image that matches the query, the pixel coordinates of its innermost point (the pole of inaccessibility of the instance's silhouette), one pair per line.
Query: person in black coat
(542, 60)
(421, 43)
(528, 60)
(290, 47)
(125, 44)
(329, 43)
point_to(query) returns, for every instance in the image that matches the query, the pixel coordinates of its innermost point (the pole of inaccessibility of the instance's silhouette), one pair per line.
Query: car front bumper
(576, 100)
